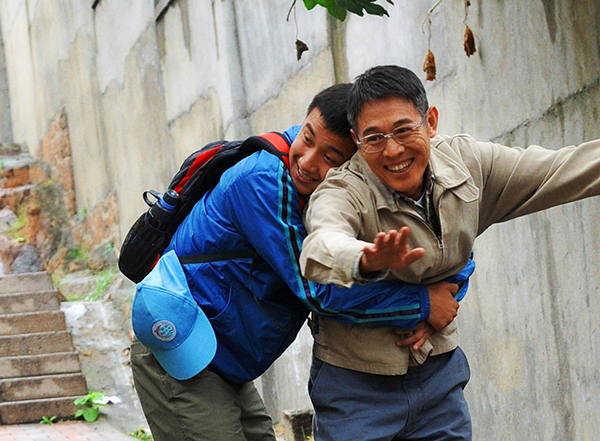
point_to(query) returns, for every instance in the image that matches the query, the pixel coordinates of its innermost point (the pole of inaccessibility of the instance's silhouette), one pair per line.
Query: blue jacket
(257, 306)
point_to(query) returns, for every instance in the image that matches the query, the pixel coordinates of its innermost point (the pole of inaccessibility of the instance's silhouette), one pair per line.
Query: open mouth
(304, 176)
(399, 168)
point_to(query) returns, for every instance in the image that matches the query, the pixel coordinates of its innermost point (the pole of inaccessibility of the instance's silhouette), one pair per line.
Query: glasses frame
(413, 128)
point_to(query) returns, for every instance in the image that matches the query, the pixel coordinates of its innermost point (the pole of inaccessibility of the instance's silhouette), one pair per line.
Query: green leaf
(332, 7)
(357, 7)
(336, 11)
(90, 414)
(374, 9)
(81, 401)
(309, 4)
(353, 6)
(79, 412)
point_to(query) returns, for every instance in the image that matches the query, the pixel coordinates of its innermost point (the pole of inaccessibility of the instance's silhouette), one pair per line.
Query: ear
(354, 137)
(432, 121)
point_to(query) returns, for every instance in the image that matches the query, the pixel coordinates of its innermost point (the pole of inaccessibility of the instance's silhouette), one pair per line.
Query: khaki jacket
(475, 185)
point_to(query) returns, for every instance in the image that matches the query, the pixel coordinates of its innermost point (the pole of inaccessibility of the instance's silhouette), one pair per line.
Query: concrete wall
(5, 118)
(142, 93)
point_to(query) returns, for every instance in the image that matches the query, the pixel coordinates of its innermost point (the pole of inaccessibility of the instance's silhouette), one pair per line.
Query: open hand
(389, 251)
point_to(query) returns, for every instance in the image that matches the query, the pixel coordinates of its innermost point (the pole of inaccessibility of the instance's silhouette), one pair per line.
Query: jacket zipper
(439, 216)
(439, 240)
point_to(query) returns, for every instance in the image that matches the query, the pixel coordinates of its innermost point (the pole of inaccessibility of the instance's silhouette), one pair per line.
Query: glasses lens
(402, 135)
(374, 143)
(405, 134)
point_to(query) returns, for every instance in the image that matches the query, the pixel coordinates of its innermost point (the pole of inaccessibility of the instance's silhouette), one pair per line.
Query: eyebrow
(335, 150)
(371, 130)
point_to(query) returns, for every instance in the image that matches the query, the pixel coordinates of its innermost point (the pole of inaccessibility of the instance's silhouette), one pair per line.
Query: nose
(393, 148)
(309, 161)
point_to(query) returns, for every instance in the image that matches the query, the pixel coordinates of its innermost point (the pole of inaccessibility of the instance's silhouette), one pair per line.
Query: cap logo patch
(164, 330)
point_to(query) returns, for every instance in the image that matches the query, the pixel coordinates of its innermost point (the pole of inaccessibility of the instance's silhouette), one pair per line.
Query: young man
(196, 386)
(447, 191)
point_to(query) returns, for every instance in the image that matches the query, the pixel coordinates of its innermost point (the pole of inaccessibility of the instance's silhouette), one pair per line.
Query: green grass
(104, 278)
(46, 420)
(141, 434)
(22, 221)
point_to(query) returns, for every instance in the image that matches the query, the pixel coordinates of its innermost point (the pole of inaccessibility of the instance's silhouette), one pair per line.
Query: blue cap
(166, 318)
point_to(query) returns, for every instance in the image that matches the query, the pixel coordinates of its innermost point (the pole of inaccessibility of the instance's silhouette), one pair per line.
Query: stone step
(14, 197)
(40, 372)
(15, 170)
(34, 344)
(32, 411)
(32, 322)
(29, 302)
(43, 364)
(28, 282)
(45, 386)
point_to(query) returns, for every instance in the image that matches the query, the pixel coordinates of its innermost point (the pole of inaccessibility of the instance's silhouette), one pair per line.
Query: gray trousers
(203, 408)
(425, 404)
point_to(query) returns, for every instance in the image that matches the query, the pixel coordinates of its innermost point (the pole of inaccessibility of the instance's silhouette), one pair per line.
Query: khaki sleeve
(519, 181)
(333, 222)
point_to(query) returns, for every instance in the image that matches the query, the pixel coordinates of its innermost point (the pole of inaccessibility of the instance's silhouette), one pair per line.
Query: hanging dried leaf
(467, 3)
(429, 66)
(301, 47)
(469, 44)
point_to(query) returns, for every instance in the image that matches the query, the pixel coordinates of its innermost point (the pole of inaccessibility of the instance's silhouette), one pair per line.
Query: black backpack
(151, 233)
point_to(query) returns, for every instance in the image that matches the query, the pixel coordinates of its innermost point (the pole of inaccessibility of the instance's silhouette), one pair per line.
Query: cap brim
(193, 355)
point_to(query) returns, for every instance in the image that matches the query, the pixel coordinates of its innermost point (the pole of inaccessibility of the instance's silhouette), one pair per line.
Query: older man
(446, 191)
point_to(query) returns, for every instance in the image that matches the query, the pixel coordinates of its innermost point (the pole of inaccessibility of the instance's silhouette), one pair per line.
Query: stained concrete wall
(140, 93)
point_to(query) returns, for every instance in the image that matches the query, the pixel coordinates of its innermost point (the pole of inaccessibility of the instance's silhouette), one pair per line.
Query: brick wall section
(54, 226)
(56, 152)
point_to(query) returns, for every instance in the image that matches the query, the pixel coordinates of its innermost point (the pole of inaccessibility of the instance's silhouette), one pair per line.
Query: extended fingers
(385, 240)
(414, 255)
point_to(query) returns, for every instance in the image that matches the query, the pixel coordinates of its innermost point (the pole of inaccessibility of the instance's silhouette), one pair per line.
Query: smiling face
(316, 150)
(401, 167)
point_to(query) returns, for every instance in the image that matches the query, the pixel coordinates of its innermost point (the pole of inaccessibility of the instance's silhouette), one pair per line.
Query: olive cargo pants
(203, 408)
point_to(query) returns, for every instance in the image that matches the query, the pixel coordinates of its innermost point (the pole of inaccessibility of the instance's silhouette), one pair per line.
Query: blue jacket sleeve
(274, 228)
(396, 304)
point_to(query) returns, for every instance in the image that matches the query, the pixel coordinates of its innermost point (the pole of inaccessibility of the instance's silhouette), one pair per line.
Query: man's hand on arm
(389, 251)
(443, 309)
(418, 337)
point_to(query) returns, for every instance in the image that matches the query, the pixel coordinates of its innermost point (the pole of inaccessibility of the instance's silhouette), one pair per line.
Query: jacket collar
(446, 165)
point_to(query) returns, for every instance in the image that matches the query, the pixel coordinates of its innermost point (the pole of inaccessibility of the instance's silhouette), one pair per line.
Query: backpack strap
(215, 257)
(273, 142)
(277, 144)
(277, 140)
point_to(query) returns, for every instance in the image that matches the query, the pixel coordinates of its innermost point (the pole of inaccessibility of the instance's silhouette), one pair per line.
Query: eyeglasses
(402, 135)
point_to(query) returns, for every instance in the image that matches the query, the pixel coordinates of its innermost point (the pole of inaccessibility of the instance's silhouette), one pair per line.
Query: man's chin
(305, 189)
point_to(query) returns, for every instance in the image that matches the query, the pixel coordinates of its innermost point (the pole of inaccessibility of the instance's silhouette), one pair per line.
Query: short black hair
(381, 82)
(332, 103)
